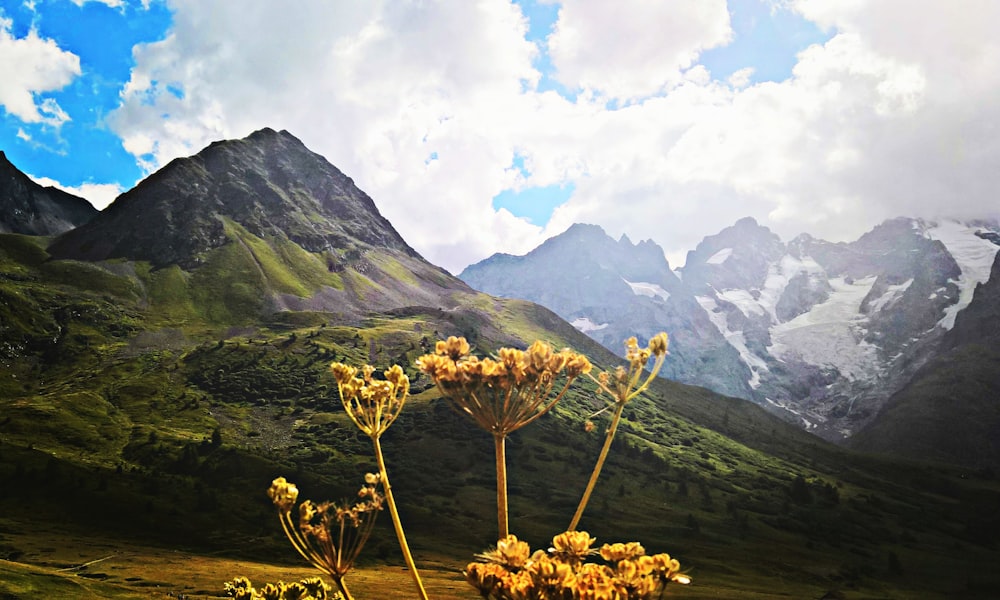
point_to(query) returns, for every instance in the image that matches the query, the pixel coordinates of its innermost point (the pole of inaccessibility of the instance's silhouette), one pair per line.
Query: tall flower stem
(501, 452)
(396, 523)
(597, 468)
(623, 386)
(343, 589)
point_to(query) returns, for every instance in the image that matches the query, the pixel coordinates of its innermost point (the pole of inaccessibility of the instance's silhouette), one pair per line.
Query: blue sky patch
(83, 149)
(534, 204)
(764, 38)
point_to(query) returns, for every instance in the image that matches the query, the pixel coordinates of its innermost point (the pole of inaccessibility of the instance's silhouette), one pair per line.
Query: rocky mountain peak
(31, 209)
(268, 183)
(737, 257)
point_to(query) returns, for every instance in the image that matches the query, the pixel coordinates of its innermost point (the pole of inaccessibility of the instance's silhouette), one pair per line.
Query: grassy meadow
(146, 411)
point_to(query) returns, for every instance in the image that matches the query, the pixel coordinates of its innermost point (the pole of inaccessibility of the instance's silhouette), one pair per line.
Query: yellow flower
(618, 552)
(283, 494)
(658, 344)
(547, 573)
(577, 365)
(485, 577)
(595, 582)
(372, 404)
(572, 546)
(343, 373)
(510, 553)
(454, 348)
(668, 569)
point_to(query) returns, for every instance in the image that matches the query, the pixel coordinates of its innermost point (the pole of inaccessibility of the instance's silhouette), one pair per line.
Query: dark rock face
(948, 410)
(30, 209)
(269, 183)
(979, 323)
(714, 262)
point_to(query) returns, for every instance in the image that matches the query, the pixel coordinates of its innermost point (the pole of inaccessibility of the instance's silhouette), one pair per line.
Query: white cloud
(108, 3)
(896, 114)
(98, 194)
(32, 66)
(634, 48)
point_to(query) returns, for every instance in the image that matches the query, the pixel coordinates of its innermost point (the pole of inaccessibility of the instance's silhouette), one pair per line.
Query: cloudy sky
(487, 126)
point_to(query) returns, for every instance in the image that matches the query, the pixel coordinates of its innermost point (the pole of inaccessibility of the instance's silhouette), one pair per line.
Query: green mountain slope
(950, 411)
(156, 402)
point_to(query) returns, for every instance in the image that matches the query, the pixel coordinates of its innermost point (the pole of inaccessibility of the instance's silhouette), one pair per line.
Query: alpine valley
(164, 359)
(826, 335)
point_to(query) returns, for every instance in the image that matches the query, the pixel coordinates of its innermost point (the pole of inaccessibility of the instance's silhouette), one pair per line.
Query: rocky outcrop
(31, 209)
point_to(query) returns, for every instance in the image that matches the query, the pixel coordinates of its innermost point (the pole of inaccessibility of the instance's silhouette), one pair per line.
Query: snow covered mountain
(612, 290)
(820, 332)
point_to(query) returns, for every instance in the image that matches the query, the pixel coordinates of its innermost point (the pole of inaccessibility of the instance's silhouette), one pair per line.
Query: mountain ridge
(31, 209)
(823, 333)
(268, 182)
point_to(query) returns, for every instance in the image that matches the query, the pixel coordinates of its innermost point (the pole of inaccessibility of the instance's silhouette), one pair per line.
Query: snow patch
(735, 339)
(719, 257)
(831, 334)
(585, 325)
(743, 301)
(974, 256)
(778, 276)
(651, 290)
(891, 295)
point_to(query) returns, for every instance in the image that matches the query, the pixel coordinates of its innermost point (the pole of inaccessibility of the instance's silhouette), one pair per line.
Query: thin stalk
(499, 441)
(395, 520)
(597, 468)
(343, 589)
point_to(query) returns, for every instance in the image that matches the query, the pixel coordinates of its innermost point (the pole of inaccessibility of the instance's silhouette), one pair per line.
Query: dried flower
(312, 588)
(572, 546)
(373, 405)
(623, 385)
(510, 552)
(330, 536)
(502, 394)
(283, 494)
(618, 552)
(564, 574)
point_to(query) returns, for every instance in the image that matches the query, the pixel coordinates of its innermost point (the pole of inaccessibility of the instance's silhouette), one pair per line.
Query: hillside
(154, 402)
(949, 412)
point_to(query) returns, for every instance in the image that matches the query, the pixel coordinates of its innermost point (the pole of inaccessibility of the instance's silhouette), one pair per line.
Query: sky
(489, 126)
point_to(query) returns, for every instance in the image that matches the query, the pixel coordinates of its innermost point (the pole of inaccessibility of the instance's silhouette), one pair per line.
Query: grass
(116, 388)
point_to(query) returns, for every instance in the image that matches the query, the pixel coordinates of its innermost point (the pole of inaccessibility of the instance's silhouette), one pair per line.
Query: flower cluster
(512, 572)
(502, 394)
(330, 536)
(373, 404)
(505, 393)
(312, 588)
(622, 385)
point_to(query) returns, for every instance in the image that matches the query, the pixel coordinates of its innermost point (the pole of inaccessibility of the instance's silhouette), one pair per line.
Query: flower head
(373, 404)
(283, 494)
(487, 578)
(572, 546)
(564, 573)
(328, 535)
(510, 552)
(505, 392)
(618, 552)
